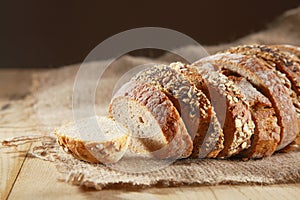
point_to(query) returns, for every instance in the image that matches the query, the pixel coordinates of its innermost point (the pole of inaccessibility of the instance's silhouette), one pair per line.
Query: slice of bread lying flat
(87, 143)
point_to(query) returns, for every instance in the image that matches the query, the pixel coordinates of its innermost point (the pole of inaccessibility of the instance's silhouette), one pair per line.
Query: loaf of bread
(243, 102)
(285, 64)
(269, 84)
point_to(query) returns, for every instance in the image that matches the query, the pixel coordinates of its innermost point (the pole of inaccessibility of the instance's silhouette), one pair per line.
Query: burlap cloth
(52, 106)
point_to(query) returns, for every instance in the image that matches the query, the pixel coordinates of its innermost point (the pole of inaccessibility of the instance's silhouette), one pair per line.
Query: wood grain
(11, 161)
(13, 118)
(39, 179)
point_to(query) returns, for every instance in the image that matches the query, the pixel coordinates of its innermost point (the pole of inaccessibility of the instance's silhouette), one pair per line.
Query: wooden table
(30, 178)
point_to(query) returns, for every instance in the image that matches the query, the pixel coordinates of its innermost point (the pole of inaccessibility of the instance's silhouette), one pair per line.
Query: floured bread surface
(95, 140)
(210, 139)
(270, 85)
(193, 106)
(285, 65)
(154, 122)
(231, 108)
(267, 132)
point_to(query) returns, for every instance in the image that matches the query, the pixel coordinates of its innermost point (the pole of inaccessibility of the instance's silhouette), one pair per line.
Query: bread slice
(267, 132)
(290, 57)
(269, 84)
(85, 142)
(213, 138)
(153, 121)
(231, 108)
(287, 66)
(194, 107)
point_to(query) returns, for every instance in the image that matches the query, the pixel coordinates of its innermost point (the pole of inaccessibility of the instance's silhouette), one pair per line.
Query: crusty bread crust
(287, 66)
(260, 114)
(269, 84)
(238, 125)
(106, 152)
(288, 48)
(294, 53)
(178, 141)
(267, 132)
(75, 147)
(194, 107)
(210, 140)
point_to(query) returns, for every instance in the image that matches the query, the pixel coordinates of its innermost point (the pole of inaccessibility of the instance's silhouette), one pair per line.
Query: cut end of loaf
(155, 124)
(146, 134)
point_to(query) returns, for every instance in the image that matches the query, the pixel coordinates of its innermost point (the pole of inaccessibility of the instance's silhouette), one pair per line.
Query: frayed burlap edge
(279, 168)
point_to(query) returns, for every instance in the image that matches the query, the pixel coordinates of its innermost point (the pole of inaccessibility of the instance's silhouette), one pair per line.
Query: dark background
(55, 33)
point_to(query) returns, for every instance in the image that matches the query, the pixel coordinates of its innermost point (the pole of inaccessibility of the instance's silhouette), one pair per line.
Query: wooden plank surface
(11, 161)
(39, 179)
(29, 178)
(13, 118)
(14, 121)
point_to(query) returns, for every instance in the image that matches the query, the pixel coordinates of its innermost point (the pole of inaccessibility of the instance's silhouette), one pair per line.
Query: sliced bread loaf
(85, 143)
(267, 132)
(286, 66)
(153, 121)
(234, 111)
(211, 140)
(269, 84)
(194, 107)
